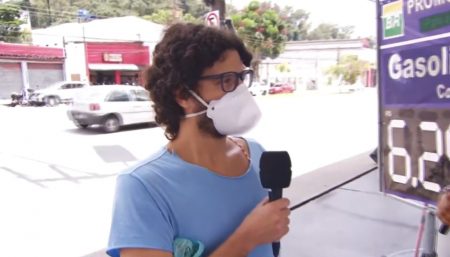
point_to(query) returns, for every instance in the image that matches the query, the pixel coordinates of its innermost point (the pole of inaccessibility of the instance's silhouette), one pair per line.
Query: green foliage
(167, 17)
(297, 23)
(327, 31)
(283, 67)
(262, 29)
(26, 37)
(349, 68)
(10, 22)
(45, 13)
(264, 26)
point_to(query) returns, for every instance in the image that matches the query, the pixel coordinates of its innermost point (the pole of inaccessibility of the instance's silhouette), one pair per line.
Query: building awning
(29, 52)
(113, 66)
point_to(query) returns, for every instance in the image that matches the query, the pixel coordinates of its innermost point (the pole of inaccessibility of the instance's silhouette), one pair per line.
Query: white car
(258, 88)
(111, 107)
(59, 92)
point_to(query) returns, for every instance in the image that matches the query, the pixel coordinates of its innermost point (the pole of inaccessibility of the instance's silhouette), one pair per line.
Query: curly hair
(179, 59)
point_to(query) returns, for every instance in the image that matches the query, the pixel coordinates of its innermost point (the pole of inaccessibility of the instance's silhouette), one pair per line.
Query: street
(57, 181)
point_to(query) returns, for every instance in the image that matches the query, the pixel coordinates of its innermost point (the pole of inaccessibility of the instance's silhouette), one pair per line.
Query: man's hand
(267, 223)
(444, 208)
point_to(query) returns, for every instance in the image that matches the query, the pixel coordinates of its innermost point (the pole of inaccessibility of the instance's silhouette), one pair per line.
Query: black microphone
(275, 174)
(443, 229)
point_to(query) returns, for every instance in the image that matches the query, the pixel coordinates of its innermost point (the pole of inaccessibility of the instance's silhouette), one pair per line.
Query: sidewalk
(4, 102)
(355, 220)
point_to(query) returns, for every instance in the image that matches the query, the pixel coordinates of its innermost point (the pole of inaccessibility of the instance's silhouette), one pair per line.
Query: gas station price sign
(414, 92)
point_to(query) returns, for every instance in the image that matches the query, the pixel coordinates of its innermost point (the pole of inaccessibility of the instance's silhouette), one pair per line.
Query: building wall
(310, 60)
(11, 74)
(81, 55)
(19, 75)
(113, 55)
(42, 75)
(24, 66)
(131, 53)
(75, 64)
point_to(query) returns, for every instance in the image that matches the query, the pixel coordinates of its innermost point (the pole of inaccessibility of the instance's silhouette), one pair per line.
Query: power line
(44, 11)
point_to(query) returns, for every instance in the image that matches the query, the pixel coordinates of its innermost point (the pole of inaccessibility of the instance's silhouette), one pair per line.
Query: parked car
(281, 88)
(111, 107)
(59, 92)
(258, 88)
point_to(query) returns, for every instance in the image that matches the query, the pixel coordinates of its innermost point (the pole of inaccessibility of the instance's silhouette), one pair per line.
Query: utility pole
(50, 21)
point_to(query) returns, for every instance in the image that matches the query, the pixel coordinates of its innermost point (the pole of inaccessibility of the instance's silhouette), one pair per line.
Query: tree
(167, 17)
(283, 67)
(10, 22)
(196, 8)
(330, 31)
(349, 68)
(297, 23)
(67, 11)
(262, 30)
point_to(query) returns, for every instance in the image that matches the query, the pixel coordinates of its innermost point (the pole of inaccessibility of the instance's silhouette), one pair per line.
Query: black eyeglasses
(230, 80)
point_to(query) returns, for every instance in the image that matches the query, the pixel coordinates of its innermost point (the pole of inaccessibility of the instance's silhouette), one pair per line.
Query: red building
(116, 62)
(25, 66)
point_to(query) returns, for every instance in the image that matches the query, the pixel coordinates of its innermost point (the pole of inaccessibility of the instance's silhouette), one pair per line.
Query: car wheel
(264, 92)
(111, 124)
(51, 101)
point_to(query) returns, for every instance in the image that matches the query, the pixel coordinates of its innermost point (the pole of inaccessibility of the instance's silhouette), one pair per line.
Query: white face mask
(235, 113)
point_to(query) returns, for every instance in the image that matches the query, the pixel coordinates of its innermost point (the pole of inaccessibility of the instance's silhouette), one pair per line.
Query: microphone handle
(276, 249)
(275, 194)
(443, 229)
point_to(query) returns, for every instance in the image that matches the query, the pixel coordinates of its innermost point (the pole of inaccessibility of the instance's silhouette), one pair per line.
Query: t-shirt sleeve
(138, 220)
(256, 149)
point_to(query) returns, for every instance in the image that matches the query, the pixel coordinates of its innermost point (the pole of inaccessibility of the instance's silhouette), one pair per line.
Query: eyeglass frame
(239, 75)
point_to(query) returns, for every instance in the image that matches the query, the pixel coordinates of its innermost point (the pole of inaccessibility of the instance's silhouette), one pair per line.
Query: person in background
(443, 211)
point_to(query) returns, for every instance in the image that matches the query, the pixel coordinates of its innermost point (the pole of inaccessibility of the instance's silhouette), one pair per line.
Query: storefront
(25, 66)
(116, 63)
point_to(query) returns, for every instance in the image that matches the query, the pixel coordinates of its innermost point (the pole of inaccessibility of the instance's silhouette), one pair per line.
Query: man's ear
(184, 100)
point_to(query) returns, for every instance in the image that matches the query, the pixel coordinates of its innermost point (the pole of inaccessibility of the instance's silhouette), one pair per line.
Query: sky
(357, 13)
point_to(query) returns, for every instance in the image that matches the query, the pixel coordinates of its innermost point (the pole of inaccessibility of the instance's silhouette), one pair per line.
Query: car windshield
(91, 95)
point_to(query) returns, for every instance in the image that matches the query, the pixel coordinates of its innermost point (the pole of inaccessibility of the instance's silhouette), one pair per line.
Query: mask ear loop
(190, 115)
(198, 98)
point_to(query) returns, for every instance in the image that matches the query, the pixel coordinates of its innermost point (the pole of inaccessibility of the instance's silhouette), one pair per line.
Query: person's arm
(444, 206)
(267, 223)
(138, 252)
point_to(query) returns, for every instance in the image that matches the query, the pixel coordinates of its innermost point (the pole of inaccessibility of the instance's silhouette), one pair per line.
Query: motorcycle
(19, 98)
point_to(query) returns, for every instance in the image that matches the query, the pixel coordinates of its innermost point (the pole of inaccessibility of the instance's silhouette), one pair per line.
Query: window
(118, 96)
(66, 86)
(141, 95)
(77, 85)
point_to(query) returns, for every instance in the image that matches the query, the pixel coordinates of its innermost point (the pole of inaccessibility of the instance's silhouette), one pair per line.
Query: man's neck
(198, 147)
(220, 155)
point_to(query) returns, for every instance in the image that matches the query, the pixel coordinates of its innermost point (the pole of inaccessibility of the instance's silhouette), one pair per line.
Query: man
(204, 185)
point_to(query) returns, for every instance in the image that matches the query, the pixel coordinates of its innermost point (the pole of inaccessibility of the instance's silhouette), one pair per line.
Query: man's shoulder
(252, 142)
(255, 148)
(154, 165)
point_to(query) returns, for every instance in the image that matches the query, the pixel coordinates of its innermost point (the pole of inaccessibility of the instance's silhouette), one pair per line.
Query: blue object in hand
(183, 247)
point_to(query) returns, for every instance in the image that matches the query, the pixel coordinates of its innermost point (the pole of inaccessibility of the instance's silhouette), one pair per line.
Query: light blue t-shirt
(165, 197)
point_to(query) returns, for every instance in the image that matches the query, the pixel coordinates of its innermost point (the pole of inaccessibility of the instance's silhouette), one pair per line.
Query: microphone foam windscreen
(275, 169)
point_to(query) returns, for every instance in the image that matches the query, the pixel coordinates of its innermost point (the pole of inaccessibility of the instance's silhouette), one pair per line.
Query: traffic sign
(213, 18)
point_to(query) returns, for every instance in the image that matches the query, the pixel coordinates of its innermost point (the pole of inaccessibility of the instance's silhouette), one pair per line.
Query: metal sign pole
(429, 242)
